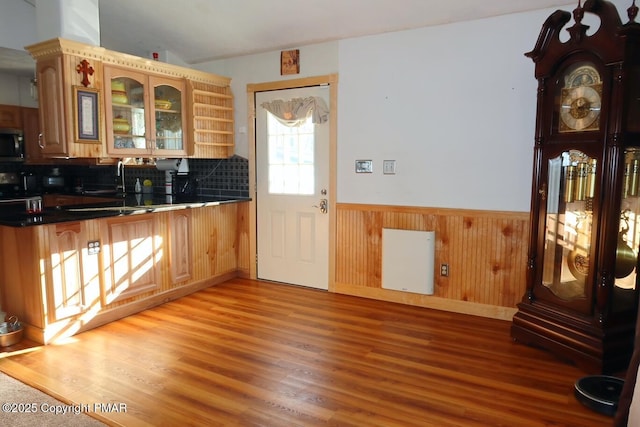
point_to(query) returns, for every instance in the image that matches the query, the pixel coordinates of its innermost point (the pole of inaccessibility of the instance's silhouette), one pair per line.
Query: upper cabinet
(57, 71)
(145, 115)
(10, 116)
(99, 103)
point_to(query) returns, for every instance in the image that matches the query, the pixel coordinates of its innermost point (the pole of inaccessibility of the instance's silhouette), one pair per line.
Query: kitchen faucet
(120, 172)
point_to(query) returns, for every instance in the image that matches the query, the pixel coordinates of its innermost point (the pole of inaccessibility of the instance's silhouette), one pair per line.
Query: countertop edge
(84, 212)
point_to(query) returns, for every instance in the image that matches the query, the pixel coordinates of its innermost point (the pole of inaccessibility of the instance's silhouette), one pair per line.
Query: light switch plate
(364, 166)
(389, 167)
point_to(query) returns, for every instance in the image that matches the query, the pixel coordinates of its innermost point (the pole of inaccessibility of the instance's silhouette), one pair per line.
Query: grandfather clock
(581, 299)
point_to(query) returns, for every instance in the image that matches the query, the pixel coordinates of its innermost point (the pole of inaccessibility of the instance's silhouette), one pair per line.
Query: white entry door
(292, 173)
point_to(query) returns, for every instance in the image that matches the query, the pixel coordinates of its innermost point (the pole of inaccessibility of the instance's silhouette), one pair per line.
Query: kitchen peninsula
(75, 267)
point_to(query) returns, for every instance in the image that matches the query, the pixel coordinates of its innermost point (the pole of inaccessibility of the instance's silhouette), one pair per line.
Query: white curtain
(294, 112)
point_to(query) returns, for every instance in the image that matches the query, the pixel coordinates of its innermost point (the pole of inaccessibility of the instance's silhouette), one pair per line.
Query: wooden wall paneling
(179, 237)
(214, 241)
(203, 249)
(485, 251)
(227, 260)
(243, 250)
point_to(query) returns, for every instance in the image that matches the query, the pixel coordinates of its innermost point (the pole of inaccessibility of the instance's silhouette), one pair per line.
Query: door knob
(323, 206)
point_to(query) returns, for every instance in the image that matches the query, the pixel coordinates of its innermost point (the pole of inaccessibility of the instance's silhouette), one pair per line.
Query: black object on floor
(599, 392)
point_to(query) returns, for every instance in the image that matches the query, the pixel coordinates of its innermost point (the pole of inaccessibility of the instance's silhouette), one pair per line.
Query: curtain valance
(294, 112)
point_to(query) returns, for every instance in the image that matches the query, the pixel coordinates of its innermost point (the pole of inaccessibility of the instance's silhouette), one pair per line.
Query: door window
(291, 157)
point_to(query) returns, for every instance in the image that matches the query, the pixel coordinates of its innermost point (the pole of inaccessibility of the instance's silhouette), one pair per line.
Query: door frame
(252, 88)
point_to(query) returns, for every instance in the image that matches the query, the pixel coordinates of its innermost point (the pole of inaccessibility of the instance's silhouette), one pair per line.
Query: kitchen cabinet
(59, 282)
(71, 278)
(48, 279)
(53, 135)
(145, 114)
(132, 250)
(162, 110)
(10, 117)
(57, 69)
(31, 129)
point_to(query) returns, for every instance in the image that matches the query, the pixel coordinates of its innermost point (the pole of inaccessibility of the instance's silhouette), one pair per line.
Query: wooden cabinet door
(131, 255)
(65, 278)
(52, 106)
(180, 246)
(31, 128)
(10, 117)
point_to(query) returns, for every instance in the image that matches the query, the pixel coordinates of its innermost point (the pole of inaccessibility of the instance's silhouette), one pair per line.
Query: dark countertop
(14, 215)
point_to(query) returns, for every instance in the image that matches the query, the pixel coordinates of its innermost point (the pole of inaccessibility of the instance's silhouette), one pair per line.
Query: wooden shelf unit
(213, 123)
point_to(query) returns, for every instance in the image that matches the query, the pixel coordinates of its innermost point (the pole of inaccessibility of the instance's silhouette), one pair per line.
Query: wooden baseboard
(428, 301)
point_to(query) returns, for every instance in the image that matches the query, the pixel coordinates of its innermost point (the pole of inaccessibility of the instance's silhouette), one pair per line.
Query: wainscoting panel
(485, 252)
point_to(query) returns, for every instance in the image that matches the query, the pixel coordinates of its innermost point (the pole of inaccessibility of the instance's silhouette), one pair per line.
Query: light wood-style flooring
(250, 353)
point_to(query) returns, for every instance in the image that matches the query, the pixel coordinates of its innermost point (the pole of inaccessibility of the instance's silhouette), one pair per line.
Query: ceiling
(203, 30)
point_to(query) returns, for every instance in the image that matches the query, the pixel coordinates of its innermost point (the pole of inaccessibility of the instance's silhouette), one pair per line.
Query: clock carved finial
(578, 31)
(632, 12)
(578, 13)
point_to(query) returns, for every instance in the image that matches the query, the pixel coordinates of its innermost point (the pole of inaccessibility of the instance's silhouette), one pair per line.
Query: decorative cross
(86, 70)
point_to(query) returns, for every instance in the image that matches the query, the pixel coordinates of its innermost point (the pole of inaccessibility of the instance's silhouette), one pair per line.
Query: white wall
(317, 59)
(454, 105)
(16, 90)
(17, 24)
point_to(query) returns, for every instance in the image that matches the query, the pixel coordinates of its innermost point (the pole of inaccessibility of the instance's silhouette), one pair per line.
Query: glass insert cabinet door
(129, 118)
(146, 113)
(628, 238)
(168, 118)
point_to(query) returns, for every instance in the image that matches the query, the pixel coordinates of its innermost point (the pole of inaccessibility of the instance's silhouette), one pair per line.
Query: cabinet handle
(40, 140)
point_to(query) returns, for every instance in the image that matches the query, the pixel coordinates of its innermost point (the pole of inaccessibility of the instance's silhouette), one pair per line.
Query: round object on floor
(599, 392)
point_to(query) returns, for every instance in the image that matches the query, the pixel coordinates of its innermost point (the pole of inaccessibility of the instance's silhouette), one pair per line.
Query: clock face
(580, 100)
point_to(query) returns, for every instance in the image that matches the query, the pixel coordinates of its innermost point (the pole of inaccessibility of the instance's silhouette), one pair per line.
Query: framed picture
(87, 115)
(289, 62)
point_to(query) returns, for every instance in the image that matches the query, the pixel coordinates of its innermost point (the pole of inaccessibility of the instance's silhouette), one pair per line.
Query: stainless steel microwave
(11, 145)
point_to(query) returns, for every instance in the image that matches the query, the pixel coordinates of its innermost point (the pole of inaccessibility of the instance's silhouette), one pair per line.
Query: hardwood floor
(248, 353)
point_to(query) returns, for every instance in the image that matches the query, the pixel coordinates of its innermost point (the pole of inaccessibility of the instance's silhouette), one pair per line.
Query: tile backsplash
(213, 177)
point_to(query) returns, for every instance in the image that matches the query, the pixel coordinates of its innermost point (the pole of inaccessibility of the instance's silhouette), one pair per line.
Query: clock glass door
(628, 234)
(571, 185)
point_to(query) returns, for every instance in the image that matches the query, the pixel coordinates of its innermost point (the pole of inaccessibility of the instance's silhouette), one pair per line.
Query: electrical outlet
(444, 270)
(93, 247)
